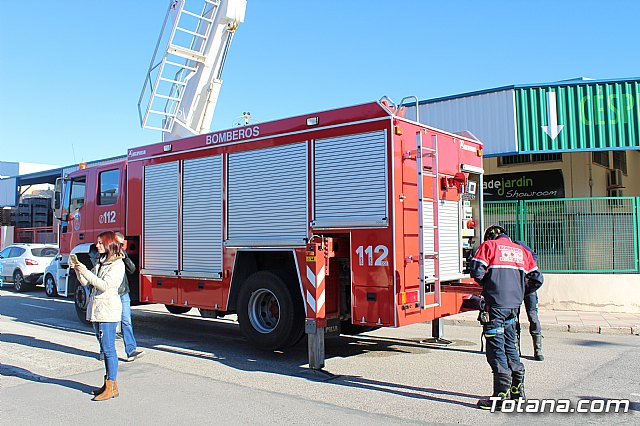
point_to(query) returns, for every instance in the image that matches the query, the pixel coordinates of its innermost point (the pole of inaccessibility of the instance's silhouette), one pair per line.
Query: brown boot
(100, 390)
(110, 391)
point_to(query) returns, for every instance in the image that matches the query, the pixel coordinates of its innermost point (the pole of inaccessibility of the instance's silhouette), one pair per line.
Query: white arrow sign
(553, 129)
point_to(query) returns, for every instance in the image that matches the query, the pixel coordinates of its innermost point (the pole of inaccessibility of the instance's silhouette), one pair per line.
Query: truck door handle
(200, 285)
(81, 236)
(159, 282)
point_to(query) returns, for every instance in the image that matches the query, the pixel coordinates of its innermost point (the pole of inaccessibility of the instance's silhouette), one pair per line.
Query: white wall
(591, 292)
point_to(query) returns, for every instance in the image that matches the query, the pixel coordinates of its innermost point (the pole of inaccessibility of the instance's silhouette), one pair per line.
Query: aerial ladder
(183, 83)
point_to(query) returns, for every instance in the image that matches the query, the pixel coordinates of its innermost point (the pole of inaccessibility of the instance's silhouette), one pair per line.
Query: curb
(570, 328)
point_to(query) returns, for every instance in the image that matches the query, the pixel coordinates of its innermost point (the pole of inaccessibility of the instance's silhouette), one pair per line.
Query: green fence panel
(505, 214)
(575, 235)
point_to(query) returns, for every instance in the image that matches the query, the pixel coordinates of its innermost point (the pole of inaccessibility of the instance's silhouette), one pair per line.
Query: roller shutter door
(428, 245)
(450, 253)
(267, 197)
(160, 227)
(350, 181)
(202, 216)
(450, 240)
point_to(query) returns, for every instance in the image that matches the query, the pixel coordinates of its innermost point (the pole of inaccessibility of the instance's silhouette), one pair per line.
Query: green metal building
(562, 173)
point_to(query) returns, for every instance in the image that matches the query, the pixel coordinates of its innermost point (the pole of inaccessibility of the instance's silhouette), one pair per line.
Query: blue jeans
(130, 343)
(500, 334)
(106, 334)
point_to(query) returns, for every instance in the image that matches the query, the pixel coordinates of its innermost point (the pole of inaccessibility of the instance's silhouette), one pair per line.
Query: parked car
(24, 264)
(50, 274)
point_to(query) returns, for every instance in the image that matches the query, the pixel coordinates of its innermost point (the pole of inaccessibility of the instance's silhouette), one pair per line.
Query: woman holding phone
(104, 308)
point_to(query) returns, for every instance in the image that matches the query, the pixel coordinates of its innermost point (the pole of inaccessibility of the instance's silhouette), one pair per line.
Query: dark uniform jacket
(501, 267)
(129, 268)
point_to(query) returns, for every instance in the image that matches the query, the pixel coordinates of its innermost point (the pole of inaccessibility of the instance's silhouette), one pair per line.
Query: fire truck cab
(343, 220)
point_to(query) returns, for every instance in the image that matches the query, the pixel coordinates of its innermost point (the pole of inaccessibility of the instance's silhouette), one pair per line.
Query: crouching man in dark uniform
(501, 267)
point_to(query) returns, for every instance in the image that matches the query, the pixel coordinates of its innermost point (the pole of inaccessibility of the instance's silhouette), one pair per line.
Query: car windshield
(44, 251)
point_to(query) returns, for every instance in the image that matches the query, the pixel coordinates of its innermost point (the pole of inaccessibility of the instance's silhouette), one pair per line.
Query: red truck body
(336, 205)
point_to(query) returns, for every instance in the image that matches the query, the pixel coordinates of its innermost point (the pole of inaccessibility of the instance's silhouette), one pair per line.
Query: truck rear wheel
(270, 312)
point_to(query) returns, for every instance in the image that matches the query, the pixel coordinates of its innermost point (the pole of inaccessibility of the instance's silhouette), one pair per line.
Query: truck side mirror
(56, 200)
(64, 217)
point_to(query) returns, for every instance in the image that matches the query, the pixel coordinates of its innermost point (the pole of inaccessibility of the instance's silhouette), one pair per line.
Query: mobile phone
(73, 258)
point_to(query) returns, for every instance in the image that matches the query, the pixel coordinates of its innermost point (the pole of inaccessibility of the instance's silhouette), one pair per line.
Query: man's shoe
(135, 355)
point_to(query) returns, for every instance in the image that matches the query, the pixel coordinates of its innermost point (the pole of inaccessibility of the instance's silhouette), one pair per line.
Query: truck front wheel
(81, 299)
(270, 311)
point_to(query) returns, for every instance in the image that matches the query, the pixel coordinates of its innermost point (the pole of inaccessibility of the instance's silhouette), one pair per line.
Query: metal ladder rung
(197, 16)
(185, 53)
(193, 33)
(162, 129)
(181, 65)
(158, 95)
(166, 114)
(173, 81)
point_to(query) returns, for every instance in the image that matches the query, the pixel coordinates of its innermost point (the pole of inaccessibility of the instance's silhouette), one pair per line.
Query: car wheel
(270, 311)
(81, 300)
(177, 309)
(19, 282)
(50, 286)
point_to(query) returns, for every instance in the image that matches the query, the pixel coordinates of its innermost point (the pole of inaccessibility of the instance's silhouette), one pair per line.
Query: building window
(509, 160)
(620, 161)
(601, 158)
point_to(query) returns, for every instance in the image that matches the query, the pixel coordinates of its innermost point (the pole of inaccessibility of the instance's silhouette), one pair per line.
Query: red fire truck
(349, 219)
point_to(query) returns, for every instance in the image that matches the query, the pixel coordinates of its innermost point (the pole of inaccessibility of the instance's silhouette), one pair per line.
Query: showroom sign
(524, 186)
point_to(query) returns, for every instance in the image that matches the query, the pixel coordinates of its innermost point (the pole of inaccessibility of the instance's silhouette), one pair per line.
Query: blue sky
(71, 72)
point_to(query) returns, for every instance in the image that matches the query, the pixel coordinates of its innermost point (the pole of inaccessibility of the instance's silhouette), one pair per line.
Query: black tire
(177, 309)
(20, 284)
(50, 288)
(80, 300)
(270, 310)
(349, 329)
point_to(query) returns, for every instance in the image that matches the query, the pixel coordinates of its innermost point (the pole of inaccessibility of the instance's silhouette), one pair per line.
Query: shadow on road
(43, 344)
(225, 344)
(220, 340)
(10, 370)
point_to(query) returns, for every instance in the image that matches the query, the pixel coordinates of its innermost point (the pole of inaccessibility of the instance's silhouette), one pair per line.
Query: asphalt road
(203, 371)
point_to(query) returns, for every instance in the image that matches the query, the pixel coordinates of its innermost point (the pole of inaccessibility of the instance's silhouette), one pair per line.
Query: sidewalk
(571, 321)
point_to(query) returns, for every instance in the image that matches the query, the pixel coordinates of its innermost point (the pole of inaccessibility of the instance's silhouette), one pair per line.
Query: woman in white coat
(104, 308)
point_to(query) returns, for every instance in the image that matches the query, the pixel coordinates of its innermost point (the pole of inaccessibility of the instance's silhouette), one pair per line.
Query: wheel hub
(264, 311)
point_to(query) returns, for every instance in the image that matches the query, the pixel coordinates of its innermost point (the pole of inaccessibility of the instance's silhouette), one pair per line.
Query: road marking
(36, 306)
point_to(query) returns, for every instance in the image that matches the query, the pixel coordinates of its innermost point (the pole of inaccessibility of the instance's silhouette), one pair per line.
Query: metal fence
(574, 235)
(43, 235)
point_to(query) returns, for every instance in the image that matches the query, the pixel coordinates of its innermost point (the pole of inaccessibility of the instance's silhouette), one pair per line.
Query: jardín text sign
(524, 186)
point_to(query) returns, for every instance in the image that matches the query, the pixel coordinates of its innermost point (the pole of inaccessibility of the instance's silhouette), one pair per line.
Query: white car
(24, 264)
